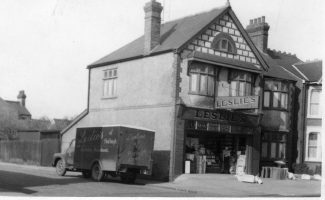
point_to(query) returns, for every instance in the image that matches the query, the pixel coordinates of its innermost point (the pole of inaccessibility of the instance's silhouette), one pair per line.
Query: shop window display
(214, 154)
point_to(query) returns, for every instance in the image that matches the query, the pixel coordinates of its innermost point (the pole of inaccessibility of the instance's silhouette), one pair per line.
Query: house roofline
(291, 73)
(249, 41)
(128, 59)
(183, 46)
(74, 122)
(302, 74)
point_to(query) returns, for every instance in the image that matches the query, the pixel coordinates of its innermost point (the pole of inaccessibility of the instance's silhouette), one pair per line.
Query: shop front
(219, 141)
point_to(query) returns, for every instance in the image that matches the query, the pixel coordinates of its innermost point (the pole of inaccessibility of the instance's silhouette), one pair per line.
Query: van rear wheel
(96, 172)
(60, 168)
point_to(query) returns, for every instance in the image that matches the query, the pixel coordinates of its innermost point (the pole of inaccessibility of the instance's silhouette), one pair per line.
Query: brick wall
(225, 25)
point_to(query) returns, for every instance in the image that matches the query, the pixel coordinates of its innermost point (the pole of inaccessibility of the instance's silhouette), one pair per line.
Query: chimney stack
(258, 30)
(22, 98)
(152, 25)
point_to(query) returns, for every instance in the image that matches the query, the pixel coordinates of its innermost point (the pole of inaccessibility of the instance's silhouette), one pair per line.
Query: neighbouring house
(205, 84)
(278, 133)
(308, 112)
(313, 114)
(23, 139)
(12, 115)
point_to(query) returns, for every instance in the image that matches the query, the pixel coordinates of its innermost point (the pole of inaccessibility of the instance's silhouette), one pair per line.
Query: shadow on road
(19, 182)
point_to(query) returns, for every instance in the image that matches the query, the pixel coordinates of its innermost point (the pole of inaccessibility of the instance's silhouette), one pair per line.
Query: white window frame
(106, 77)
(283, 103)
(237, 81)
(201, 75)
(314, 129)
(309, 101)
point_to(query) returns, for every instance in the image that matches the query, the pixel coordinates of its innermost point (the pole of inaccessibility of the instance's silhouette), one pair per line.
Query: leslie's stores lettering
(217, 115)
(235, 101)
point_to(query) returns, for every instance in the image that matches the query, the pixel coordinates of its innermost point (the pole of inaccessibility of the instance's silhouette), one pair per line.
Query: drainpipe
(303, 121)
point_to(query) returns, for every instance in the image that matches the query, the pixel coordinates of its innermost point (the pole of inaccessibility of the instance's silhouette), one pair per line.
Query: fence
(29, 152)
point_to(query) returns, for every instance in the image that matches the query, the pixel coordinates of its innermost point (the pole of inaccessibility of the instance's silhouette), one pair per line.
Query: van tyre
(97, 173)
(86, 174)
(60, 168)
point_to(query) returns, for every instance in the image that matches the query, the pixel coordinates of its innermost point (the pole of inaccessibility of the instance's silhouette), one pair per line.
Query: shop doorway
(212, 152)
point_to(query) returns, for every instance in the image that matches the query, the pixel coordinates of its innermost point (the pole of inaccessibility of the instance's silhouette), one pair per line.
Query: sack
(249, 178)
(305, 177)
(291, 176)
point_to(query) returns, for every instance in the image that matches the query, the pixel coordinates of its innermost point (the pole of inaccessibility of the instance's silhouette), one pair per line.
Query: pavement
(43, 181)
(225, 185)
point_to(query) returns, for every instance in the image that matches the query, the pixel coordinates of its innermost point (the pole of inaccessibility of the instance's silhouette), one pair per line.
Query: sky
(45, 46)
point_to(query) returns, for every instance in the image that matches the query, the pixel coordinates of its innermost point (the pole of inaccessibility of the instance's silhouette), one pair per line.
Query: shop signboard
(220, 116)
(244, 102)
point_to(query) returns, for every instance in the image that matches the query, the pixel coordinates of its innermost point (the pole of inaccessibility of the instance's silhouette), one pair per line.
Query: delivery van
(109, 150)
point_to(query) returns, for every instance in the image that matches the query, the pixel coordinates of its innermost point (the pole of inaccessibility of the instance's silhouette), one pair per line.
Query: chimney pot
(258, 30)
(259, 20)
(251, 22)
(22, 97)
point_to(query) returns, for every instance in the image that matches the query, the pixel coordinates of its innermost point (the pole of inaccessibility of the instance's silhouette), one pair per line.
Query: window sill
(277, 109)
(271, 159)
(313, 160)
(314, 116)
(112, 97)
(193, 93)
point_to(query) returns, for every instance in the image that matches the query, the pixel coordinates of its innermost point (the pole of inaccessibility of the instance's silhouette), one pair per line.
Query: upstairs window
(223, 42)
(314, 102)
(224, 45)
(110, 83)
(240, 83)
(202, 79)
(275, 94)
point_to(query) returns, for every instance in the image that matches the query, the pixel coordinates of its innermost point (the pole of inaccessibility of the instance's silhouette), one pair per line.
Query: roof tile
(173, 35)
(312, 70)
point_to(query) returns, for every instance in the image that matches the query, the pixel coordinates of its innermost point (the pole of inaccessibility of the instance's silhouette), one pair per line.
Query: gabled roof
(275, 70)
(311, 70)
(173, 35)
(285, 60)
(19, 109)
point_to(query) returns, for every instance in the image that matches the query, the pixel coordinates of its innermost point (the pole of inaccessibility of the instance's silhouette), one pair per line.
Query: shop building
(198, 82)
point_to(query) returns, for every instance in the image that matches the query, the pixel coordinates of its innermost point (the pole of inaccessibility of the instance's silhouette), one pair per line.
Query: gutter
(128, 59)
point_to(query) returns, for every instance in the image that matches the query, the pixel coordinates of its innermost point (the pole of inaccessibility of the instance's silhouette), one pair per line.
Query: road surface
(16, 180)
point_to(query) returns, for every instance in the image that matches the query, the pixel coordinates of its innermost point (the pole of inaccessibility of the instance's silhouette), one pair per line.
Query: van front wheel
(60, 168)
(96, 172)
